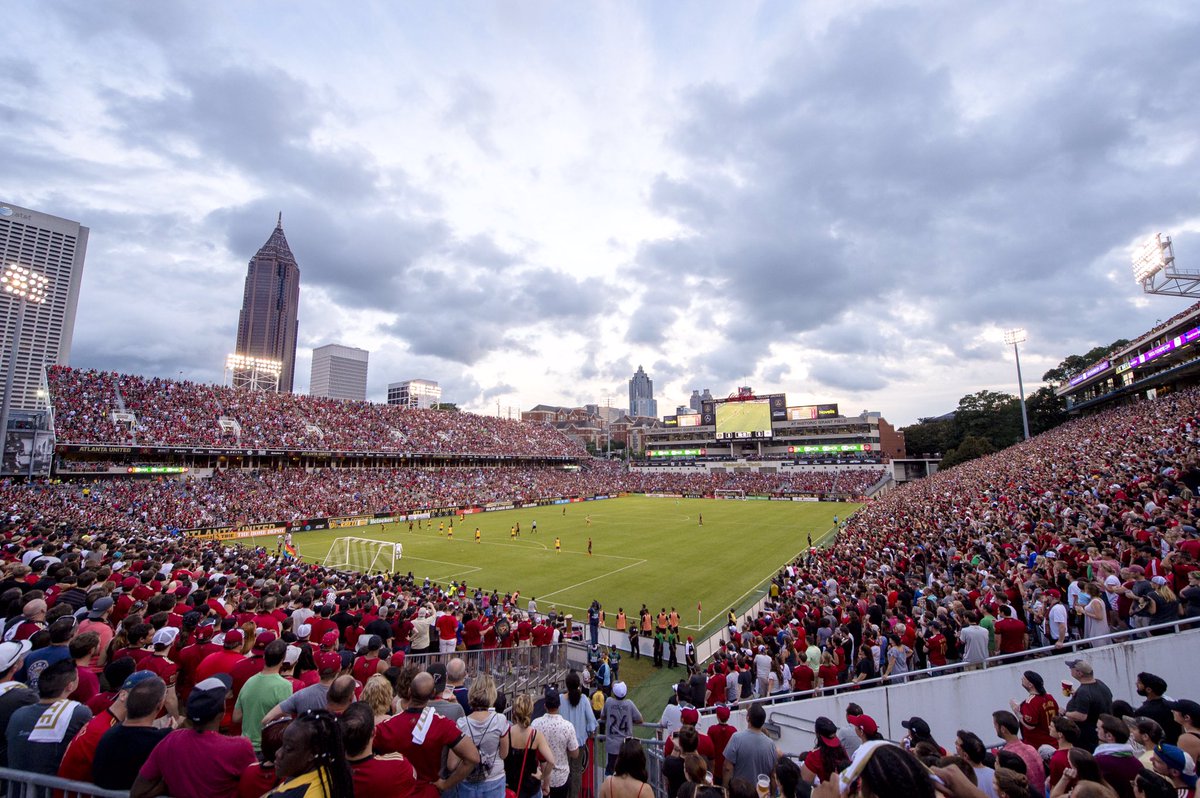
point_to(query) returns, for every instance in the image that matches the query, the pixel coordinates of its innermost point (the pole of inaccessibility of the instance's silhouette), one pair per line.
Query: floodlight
(1149, 258)
(237, 362)
(23, 283)
(1013, 337)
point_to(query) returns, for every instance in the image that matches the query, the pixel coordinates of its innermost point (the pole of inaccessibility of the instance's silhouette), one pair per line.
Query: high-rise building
(339, 372)
(414, 393)
(697, 399)
(641, 395)
(270, 304)
(54, 248)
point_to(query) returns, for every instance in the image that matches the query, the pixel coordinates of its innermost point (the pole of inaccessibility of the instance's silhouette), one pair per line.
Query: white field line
(594, 578)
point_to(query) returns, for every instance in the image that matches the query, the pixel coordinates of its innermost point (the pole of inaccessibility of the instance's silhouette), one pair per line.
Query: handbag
(520, 779)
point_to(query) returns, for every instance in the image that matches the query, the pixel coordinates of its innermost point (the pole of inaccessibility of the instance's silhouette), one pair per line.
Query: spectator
(488, 730)
(1007, 728)
(13, 694)
(197, 762)
(262, 693)
(1114, 755)
(1153, 688)
(629, 777)
(37, 743)
(78, 760)
(313, 697)
(311, 762)
(1036, 712)
(259, 778)
(1174, 763)
(124, 748)
(975, 643)
(1186, 713)
(970, 747)
(1090, 700)
(1144, 735)
(619, 717)
(750, 752)
(525, 750)
(560, 735)
(828, 757)
(578, 712)
(422, 736)
(1066, 736)
(385, 775)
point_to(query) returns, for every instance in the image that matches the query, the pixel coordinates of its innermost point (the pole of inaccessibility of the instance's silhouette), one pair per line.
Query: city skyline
(847, 202)
(268, 323)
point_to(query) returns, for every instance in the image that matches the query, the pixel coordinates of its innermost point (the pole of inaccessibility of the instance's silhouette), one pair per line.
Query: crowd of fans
(234, 497)
(290, 677)
(184, 413)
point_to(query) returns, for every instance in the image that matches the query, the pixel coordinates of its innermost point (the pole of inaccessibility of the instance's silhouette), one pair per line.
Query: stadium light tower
(24, 285)
(1155, 271)
(1015, 337)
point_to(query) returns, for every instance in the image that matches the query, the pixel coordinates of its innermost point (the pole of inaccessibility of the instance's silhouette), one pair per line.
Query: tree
(929, 436)
(1077, 364)
(991, 415)
(1046, 410)
(972, 446)
(450, 406)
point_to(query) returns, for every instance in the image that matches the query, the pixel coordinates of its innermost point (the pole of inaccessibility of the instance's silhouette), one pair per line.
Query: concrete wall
(967, 700)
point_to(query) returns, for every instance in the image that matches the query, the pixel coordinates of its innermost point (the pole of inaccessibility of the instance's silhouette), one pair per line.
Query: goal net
(729, 494)
(363, 555)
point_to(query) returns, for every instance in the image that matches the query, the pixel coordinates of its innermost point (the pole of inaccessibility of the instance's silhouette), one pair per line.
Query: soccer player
(450, 534)
(512, 533)
(533, 526)
(558, 545)
(477, 536)
(588, 520)
(589, 547)
(701, 516)
(441, 527)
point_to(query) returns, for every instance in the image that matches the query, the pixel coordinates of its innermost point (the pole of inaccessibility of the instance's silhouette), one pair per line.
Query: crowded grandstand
(219, 669)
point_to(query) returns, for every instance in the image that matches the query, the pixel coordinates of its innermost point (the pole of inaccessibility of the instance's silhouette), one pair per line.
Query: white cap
(619, 690)
(11, 652)
(303, 631)
(165, 636)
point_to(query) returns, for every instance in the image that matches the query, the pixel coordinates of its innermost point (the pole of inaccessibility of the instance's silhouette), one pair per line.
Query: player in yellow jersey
(442, 527)
(589, 547)
(477, 536)
(512, 533)
(558, 545)
(450, 535)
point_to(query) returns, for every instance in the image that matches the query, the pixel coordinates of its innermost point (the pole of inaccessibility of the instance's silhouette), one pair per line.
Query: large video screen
(689, 420)
(808, 412)
(743, 420)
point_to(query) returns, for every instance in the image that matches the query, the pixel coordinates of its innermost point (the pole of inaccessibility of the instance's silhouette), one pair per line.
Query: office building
(270, 305)
(339, 372)
(641, 396)
(698, 399)
(414, 393)
(54, 248)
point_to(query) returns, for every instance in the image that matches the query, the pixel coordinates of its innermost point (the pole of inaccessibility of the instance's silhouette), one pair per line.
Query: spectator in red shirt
(77, 761)
(83, 648)
(382, 775)
(447, 626)
(159, 663)
(1036, 713)
(423, 736)
(259, 778)
(1011, 632)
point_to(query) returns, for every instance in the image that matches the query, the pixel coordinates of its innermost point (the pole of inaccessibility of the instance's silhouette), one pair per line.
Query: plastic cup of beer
(1068, 687)
(764, 786)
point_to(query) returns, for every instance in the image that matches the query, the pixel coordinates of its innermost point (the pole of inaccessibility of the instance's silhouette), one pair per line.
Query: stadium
(185, 531)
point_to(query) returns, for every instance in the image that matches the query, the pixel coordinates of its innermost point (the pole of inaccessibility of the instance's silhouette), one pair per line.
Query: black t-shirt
(673, 772)
(1092, 699)
(10, 702)
(121, 753)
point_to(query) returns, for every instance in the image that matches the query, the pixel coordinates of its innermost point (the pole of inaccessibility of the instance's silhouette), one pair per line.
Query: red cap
(205, 631)
(722, 714)
(328, 662)
(264, 639)
(690, 716)
(129, 583)
(1054, 592)
(234, 637)
(864, 722)
(329, 639)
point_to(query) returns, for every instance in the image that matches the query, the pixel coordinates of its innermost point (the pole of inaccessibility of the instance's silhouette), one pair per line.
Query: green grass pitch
(643, 550)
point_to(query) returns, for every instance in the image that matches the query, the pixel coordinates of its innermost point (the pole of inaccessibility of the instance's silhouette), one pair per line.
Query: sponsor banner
(575, 499)
(471, 510)
(781, 498)
(491, 508)
(204, 531)
(758, 497)
(809, 412)
(598, 498)
(694, 496)
(232, 533)
(102, 449)
(385, 519)
(588, 498)
(562, 501)
(805, 498)
(527, 505)
(415, 517)
(346, 523)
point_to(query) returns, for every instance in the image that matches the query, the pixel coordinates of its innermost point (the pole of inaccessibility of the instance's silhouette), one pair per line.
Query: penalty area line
(594, 578)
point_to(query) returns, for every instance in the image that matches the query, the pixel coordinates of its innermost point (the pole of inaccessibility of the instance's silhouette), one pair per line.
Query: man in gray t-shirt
(619, 717)
(750, 753)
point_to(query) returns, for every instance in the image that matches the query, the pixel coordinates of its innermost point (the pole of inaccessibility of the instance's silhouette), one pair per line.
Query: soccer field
(643, 550)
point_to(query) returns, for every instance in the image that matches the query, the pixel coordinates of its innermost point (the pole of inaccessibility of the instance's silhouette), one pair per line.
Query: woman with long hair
(525, 747)
(380, 697)
(488, 729)
(827, 674)
(311, 762)
(828, 757)
(1166, 605)
(1081, 768)
(1095, 613)
(629, 778)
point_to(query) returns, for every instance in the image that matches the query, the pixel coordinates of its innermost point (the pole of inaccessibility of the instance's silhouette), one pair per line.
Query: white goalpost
(363, 555)
(729, 494)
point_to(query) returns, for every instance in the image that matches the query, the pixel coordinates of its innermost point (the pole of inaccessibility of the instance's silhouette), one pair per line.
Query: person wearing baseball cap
(1055, 626)
(719, 733)
(15, 694)
(865, 727)
(1091, 699)
(918, 732)
(159, 663)
(1186, 713)
(80, 757)
(198, 760)
(619, 717)
(225, 660)
(1172, 762)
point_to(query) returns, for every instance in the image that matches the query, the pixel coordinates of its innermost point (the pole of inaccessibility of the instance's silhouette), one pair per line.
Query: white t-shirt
(1058, 617)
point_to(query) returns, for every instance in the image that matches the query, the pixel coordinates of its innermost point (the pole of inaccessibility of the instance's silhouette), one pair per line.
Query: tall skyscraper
(339, 372)
(271, 301)
(641, 395)
(52, 247)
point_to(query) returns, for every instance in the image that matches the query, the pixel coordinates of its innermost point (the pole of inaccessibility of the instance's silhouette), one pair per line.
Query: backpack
(483, 768)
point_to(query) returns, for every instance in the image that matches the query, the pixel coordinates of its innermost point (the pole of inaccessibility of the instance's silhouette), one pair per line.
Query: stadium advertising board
(737, 420)
(809, 412)
(830, 447)
(156, 470)
(1169, 346)
(235, 532)
(708, 413)
(348, 521)
(1095, 370)
(676, 452)
(688, 420)
(670, 421)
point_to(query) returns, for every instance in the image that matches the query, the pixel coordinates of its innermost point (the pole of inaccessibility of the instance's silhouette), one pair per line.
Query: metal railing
(522, 669)
(1081, 645)
(654, 749)
(21, 784)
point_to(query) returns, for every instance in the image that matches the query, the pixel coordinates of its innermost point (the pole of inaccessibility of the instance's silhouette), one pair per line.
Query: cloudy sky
(524, 201)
